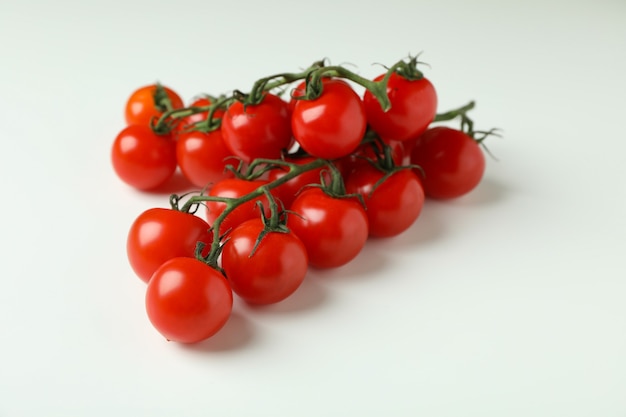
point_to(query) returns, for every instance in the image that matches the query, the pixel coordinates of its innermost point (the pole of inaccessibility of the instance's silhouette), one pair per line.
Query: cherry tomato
(187, 301)
(202, 157)
(333, 230)
(257, 131)
(413, 108)
(188, 121)
(143, 159)
(452, 162)
(234, 188)
(141, 109)
(288, 191)
(273, 272)
(332, 125)
(159, 234)
(392, 205)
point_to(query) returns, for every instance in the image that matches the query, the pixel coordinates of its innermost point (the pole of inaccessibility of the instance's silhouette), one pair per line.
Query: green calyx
(273, 222)
(408, 69)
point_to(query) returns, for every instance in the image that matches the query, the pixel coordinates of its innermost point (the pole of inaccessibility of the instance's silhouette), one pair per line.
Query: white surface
(507, 302)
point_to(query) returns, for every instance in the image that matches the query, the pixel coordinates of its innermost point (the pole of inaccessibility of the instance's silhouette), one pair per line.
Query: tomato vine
(316, 172)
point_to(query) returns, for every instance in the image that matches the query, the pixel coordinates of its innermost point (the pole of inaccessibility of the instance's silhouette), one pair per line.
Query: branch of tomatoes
(313, 76)
(362, 164)
(230, 204)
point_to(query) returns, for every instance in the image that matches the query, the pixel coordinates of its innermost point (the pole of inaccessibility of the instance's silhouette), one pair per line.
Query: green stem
(336, 188)
(162, 124)
(452, 114)
(377, 88)
(161, 99)
(278, 80)
(233, 203)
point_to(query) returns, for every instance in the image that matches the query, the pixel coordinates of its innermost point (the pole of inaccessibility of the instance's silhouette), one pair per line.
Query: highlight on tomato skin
(451, 162)
(257, 130)
(413, 108)
(143, 159)
(332, 125)
(188, 301)
(203, 157)
(159, 234)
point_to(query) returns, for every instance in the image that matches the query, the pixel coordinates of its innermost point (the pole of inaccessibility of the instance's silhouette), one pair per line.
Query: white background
(506, 302)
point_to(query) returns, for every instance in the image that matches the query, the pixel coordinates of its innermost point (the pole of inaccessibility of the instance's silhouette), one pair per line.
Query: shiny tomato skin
(143, 159)
(234, 188)
(273, 272)
(158, 235)
(140, 108)
(257, 131)
(332, 125)
(393, 205)
(333, 230)
(202, 157)
(452, 162)
(187, 301)
(413, 108)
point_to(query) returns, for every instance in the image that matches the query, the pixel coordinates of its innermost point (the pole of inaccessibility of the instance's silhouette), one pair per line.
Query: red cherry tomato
(258, 131)
(273, 272)
(187, 301)
(143, 159)
(288, 191)
(234, 188)
(413, 108)
(452, 162)
(159, 234)
(333, 230)
(332, 125)
(393, 205)
(202, 157)
(141, 109)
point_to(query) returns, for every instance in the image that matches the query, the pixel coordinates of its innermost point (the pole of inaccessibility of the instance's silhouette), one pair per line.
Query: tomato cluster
(287, 184)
